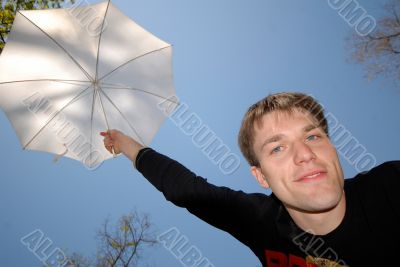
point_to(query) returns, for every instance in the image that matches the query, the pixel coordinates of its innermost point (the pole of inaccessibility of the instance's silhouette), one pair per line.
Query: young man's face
(297, 161)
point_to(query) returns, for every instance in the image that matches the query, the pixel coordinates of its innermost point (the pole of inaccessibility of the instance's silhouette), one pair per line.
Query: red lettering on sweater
(279, 259)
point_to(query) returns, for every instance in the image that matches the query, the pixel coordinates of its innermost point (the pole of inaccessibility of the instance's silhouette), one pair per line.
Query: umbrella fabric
(67, 74)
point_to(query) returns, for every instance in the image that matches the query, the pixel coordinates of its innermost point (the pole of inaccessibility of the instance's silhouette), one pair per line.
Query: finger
(110, 149)
(106, 134)
(108, 143)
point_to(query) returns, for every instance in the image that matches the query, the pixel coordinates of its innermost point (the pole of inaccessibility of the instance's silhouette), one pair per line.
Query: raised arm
(233, 211)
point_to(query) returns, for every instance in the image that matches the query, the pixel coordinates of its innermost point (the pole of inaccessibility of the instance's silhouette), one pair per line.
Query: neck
(320, 223)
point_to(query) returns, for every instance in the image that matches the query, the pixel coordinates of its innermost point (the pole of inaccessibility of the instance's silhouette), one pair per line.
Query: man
(314, 217)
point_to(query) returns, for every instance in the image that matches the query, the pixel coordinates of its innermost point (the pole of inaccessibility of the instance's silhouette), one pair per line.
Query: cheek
(331, 158)
(276, 168)
(276, 175)
(327, 152)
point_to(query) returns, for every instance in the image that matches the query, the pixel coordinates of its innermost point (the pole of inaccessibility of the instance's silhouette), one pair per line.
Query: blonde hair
(286, 102)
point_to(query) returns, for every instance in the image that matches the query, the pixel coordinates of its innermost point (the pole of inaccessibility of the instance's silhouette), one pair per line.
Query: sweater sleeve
(233, 211)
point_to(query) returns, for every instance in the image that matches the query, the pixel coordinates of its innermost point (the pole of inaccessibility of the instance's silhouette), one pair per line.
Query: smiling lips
(312, 176)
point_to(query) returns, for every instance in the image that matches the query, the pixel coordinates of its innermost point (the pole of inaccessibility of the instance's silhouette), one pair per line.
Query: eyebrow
(278, 137)
(309, 127)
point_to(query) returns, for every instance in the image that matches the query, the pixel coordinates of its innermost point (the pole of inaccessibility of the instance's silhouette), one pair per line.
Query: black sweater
(369, 234)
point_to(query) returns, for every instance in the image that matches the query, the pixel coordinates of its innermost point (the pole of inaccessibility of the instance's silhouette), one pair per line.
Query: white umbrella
(68, 74)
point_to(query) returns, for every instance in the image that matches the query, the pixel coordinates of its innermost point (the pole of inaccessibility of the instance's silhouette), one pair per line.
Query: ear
(257, 173)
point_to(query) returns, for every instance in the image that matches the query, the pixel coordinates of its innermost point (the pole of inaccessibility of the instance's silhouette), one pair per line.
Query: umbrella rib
(91, 123)
(59, 45)
(129, 61)
(122, 115)
(104, 111)
(141, 90)
(77, 97)
(100, 35)
(44, 80)
(73, 83)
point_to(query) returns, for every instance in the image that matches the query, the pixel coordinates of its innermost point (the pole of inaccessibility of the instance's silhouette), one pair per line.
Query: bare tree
(78, 260)
(124, 245)
(120, 245)
(379, 52)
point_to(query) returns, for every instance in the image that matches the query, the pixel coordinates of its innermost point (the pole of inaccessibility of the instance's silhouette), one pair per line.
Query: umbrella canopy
(67, 74)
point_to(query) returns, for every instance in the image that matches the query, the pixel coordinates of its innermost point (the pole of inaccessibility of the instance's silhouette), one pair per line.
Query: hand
(121, 143)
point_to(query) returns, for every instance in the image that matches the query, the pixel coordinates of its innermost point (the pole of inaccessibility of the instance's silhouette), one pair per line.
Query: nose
(303, 153)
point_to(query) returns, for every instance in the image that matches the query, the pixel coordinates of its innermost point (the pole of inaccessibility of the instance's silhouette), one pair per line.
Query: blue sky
(227, 55)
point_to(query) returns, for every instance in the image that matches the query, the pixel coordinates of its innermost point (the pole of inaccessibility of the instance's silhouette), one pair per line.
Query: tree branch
(395, 14)
(390, 36)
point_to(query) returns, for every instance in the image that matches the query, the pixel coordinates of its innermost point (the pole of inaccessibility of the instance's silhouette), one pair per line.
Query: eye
(312, 137)
(277, 149)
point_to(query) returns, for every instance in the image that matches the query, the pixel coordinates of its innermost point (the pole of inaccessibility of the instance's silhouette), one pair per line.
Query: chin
(313, 208)
(326, 204)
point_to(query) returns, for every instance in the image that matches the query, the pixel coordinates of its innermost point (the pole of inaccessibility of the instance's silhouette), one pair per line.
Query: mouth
(312, 176)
